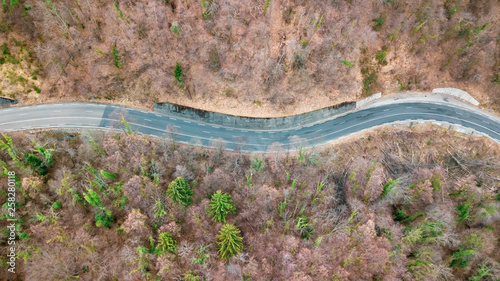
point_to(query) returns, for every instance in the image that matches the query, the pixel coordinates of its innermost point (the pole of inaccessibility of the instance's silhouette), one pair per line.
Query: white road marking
(168, 117)
(258, 146)
(215, 127)
(57, 110)
(8, 110)
(161, 116)
(206, 132)
(199, 124)
(23, 114)
(387, 109)
(342, 122)
(318, 130)
(89, 111)
(409, 107)
(177, 126)
(185, 121)
(147, 120)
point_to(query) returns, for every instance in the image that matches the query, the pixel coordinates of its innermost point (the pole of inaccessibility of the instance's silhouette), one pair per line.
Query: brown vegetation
(390, 205)
(257, 58)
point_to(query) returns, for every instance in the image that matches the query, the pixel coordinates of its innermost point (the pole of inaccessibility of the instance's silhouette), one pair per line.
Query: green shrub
(266, 6)
(369, 80)
(473, 242)
(120, 202)
(5, 49)
(120, 13)
(108, 175)
(484, 270)
(12, 3)
(178, 75)
(93, 199)
(189, 276)
(436, 181)
(159, 208)
(347, 62)
(399, 215)
(230, 242)
(417, 29)
(485, 213)
(464, 211)
(201, 257)
(305, 228)
(318, 24)
(180, 192)
(431, 230)
(378, 23)
(414, 216)
(115, 54)
(36, 165)
(298, 62)
(221, 205)
(462, 258)
(388, 187)
(166, 242)
(56, 205)
(46, 154)
(258, 164)
(451, 11)
(206, 11)
(175, 28)
(8, 145)
(380, 56)
(498, 78)
(103, 217)
(419, 268)
(24, 236)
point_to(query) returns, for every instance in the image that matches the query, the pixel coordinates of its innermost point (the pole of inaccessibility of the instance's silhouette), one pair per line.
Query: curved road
(191, 132)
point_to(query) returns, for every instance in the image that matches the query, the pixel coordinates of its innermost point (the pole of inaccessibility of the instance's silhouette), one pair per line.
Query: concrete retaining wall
(368, 99)
(457, 93)
(253, 123)
(6, 101)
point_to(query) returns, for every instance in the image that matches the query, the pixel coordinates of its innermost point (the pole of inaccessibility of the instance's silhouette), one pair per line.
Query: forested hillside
(254, 58)
(388, 205)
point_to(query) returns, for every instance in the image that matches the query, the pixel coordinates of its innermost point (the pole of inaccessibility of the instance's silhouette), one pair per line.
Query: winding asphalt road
(190, 132)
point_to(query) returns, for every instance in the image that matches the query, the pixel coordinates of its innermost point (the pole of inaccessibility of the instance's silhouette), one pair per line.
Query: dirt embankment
(254, 58)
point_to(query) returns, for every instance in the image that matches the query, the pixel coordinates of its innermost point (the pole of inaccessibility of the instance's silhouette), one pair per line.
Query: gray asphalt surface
(190, 132)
